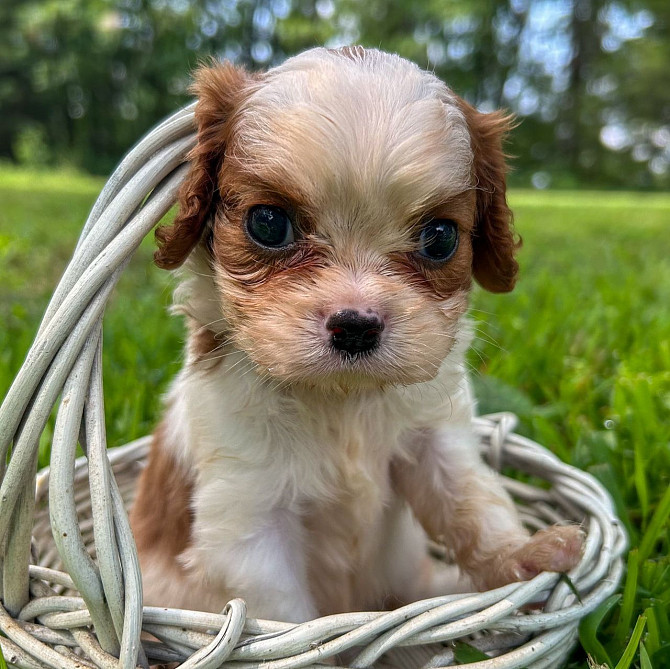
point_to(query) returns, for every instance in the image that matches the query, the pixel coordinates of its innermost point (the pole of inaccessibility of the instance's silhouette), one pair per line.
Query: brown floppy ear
(494, 241)
(219, 90)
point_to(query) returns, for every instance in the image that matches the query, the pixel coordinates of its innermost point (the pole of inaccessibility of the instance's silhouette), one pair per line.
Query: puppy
(336, 211)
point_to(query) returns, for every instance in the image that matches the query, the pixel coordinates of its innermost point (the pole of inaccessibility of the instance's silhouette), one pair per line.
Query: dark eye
(438, 240)
(270, 226)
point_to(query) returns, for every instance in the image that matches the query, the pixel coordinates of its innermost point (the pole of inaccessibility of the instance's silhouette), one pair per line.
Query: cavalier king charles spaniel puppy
(335, 213)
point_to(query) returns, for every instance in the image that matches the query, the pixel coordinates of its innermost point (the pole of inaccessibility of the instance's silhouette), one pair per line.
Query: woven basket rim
(288, 637)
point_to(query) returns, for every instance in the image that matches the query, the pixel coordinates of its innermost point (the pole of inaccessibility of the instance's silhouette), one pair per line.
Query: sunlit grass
(63, 182)
(38, 231)
(580, 350)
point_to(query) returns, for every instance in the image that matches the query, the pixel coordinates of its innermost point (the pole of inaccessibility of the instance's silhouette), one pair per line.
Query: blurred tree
(81, 80)
(632, 84)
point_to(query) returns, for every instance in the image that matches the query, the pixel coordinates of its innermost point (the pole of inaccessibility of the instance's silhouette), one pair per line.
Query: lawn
(580, 351)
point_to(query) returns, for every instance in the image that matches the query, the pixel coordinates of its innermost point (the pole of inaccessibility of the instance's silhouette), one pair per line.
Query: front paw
(557, 548)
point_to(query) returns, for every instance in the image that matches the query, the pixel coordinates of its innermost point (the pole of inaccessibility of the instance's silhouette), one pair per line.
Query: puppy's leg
(460, 502)
(260, 559)
(407, 571)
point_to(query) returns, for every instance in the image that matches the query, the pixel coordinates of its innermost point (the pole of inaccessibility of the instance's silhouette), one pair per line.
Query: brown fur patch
(202, 343)
(161, 516)
(446, 279)
(244, 260)
(494, 240)
(220, 90)
(206, 348)
(250, 264)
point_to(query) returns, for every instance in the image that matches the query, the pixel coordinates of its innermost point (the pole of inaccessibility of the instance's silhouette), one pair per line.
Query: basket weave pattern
(72, 597)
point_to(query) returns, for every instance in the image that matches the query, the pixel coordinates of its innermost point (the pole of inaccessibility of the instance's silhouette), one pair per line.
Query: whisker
(205, 326)
(206, 276)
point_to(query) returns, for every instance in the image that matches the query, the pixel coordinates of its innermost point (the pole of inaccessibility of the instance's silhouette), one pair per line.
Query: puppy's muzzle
(353, 333)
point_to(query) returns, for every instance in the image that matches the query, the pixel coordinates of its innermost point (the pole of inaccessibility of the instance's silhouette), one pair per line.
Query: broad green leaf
(465, 653)
(588, 630)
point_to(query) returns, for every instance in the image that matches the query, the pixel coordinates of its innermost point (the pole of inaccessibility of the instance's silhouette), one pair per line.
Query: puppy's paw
(556, 548)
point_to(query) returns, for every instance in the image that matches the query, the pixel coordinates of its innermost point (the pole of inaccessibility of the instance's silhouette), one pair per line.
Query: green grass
(143, 344)
(580, 351)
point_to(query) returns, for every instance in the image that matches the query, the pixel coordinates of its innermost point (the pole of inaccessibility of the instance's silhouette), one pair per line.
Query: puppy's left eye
(438, 240)
(270, 226)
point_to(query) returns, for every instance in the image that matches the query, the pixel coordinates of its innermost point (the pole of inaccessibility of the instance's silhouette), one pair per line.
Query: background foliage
(81, 80)
(580, 350)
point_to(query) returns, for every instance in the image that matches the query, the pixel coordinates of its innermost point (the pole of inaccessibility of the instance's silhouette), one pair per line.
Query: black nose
(352, 332)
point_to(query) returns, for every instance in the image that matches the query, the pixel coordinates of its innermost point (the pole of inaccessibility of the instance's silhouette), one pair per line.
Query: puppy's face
(345, 200)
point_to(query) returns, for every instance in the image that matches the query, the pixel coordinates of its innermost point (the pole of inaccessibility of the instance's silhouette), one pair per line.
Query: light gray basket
(75, 600)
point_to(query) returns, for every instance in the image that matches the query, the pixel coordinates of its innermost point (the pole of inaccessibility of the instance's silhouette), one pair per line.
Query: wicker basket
(72, 597)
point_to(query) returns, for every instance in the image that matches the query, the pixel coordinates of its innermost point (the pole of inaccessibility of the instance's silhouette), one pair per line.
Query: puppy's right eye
(439, 240)
(270, 226)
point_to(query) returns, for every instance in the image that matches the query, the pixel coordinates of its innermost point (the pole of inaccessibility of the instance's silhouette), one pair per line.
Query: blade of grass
(568, 581)
(645, 662)
(653, 634)
(657, 524)
(640, 477)
(605, 473)
(629, 654)
(3, 664)
(628, 599)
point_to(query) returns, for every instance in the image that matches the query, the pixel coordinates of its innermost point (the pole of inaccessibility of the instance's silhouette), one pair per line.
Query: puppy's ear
(494, 242)
(219, 89)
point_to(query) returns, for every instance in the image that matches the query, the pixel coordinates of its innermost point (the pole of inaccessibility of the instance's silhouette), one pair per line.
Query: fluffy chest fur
(313, 468)
(303, 448)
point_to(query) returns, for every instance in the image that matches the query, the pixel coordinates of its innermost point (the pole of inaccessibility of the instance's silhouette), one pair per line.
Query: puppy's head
(344, 201)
